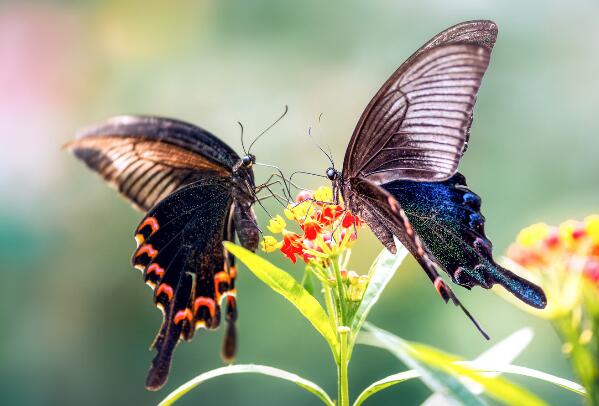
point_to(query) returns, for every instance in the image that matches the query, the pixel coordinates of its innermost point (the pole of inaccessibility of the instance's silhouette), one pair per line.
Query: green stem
(342, 367)
(341, 289)
(581, 356)
(328, 298)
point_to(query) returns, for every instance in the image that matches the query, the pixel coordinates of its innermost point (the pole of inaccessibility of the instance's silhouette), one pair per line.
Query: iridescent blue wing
(446, 218)
(381, 211)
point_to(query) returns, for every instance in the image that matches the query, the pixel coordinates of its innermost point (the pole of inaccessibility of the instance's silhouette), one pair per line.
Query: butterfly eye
(331, 173)
(248, 160)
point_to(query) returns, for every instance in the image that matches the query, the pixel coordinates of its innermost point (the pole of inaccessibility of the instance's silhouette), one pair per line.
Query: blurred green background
(77, 320)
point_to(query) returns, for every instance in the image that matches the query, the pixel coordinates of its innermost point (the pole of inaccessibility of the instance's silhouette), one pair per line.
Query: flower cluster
(326, 228)
(564, 260)
(569, 250)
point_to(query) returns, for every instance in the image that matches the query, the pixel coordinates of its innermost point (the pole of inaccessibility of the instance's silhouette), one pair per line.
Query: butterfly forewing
(147, 158)
(417, 126)
(477, 32)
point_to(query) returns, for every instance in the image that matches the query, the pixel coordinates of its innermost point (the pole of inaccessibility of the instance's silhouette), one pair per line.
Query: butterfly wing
(446, 216)
(441, 225)
(416, 127)
(181, 256)
(147, 158)
(387, 219)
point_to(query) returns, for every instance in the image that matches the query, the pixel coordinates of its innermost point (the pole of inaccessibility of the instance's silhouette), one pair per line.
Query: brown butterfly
(400, 167)
(196, 192)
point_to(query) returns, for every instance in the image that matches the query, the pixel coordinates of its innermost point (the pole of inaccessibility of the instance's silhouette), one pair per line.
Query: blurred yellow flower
(563, 260)
(592, 227)
(532, 234)
(269, 244)
(568, 232)
(277, 224)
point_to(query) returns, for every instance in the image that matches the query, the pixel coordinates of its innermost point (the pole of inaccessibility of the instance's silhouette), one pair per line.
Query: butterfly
(400, 167)
(196, 192)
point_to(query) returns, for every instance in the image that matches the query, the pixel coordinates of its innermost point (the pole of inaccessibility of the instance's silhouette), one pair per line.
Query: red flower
(292, 245)
(311, 229)
(329, 214)
(349, 220)
(591, 270)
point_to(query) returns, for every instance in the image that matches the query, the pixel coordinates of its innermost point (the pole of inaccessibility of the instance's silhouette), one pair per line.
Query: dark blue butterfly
(400, 168)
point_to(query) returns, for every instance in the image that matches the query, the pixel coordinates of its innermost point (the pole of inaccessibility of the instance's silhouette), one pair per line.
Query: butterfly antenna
(242, 145)
(269, 127)
(290, 180)
(329, 157)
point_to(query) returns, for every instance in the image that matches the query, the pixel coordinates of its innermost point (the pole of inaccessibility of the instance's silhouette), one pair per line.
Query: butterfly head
(332, 174)
(248, 160)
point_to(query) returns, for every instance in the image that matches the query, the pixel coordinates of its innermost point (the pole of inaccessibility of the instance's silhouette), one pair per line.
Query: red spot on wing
(207, 302)
(393, 204)
(443, 290)
(233, 272)
(146, 249)
(222, 281)
(156, 270)
(183, 315)
(151, 222)
(221, 277)
(166, 290)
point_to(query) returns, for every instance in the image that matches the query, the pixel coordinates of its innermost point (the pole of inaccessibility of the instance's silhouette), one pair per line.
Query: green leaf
(308, 281)
(284, 284)
(509, 369)
(436, 366)
(501, 354)
(433, 375)
(245, 369)
(531, 373)
(382, 270)
(385, 383)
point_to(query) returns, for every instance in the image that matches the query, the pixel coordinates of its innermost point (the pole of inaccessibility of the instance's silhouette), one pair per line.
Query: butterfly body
(196, 192)
(400, 167)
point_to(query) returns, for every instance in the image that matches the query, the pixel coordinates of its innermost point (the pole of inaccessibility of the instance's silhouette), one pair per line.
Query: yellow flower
(299, 211)
(532, 235)
(277, 225)
(270, 244)
(566, 232)
(324, 194)
(592, 227)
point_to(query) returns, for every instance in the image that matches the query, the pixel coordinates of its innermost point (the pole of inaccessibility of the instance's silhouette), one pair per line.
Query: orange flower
(292, 246)
(329, 214)
(563, 259)
(349, 220)
(311, 229)
(327, 229)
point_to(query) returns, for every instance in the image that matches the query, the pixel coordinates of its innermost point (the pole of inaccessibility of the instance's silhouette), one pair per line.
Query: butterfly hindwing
(181, 255)
(446, 216)
(146, 158)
